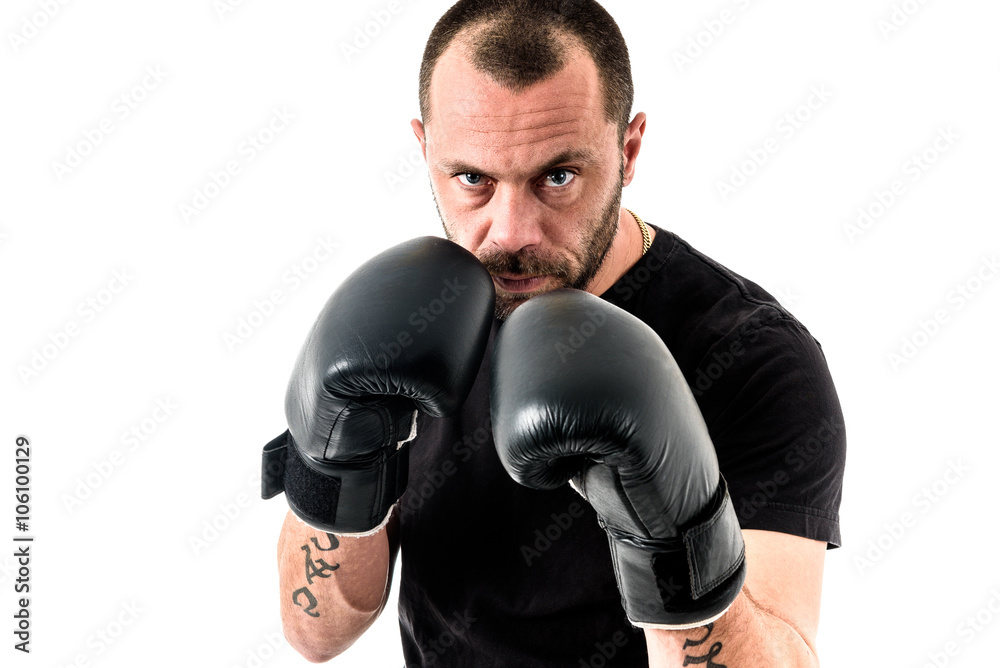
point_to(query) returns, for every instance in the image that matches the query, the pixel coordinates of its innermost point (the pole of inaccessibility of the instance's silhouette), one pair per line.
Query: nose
(515, 220)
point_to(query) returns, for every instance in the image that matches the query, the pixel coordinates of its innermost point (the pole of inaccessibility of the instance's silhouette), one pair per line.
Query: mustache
(524, 263)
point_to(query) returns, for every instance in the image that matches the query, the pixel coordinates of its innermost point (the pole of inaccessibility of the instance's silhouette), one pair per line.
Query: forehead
(473, 116)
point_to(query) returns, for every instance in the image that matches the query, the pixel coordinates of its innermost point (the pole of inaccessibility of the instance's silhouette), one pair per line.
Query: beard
(597, 236)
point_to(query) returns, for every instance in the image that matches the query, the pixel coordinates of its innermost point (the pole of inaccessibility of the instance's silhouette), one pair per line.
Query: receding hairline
(568, 45)
(521, 43)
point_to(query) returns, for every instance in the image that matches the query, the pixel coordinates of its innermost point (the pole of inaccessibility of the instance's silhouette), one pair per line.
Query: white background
(185, 285)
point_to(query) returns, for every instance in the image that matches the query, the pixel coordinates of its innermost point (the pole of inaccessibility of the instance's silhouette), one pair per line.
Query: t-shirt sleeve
(773, 413)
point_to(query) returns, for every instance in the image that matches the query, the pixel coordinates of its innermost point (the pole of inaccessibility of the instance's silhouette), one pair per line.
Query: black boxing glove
(584, 392)
(405, 332)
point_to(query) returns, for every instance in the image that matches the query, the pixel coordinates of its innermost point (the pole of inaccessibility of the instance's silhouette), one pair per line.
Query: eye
(470, 179)
(559, 178)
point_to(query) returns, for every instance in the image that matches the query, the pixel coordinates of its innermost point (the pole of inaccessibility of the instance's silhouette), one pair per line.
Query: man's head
(519, 43)
(526, 134)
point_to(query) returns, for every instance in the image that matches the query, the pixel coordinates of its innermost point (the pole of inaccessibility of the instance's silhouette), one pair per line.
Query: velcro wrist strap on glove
(686, 581)
(351, 497)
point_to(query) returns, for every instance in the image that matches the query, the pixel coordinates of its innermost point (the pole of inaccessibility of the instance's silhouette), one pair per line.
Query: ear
(418, 130)
(632, 144)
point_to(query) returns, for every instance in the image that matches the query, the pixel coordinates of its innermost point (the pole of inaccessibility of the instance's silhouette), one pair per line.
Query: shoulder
(705, 312)
(761, 381)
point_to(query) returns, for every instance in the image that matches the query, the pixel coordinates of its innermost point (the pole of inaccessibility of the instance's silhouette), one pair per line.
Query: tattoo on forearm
(334, 543)
(310, 599)
(315, 568)
(707, 659)
(318, 568)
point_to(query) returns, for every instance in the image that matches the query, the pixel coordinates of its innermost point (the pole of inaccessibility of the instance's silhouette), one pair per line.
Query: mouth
(522, 284)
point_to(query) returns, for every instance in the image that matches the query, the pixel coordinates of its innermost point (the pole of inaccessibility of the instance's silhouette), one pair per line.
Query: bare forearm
(332, 587)
(747, 636)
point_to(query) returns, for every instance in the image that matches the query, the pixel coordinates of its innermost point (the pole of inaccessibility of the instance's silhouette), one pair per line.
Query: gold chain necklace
(646, 241)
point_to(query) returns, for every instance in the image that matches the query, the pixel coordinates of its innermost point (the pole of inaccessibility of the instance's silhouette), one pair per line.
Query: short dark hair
(520, 42)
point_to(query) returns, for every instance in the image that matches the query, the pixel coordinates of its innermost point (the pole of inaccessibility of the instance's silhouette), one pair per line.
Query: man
(528, 139)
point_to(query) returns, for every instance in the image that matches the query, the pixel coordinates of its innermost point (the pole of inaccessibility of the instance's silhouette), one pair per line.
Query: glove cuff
(347, 497)
(687, 581)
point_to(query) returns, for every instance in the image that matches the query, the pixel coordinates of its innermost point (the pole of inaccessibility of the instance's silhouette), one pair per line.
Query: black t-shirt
(496, 574)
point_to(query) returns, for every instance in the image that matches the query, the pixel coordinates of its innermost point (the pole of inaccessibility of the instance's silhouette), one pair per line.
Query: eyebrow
(577, 155)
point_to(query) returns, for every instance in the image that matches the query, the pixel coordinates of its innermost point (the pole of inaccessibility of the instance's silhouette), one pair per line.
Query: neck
(625, 251)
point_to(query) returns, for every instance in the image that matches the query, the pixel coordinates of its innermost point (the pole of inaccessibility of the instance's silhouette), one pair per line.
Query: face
(529, 182)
